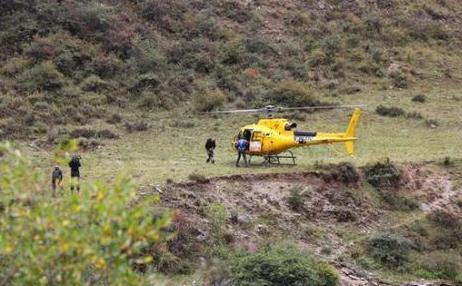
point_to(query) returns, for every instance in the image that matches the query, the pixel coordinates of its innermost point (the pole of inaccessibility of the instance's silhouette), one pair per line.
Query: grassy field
(172, 148)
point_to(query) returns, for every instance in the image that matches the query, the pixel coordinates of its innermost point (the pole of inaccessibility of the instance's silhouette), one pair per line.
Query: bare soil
(334, 214)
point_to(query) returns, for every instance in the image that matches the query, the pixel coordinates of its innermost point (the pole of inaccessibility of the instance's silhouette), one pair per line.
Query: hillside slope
(80, 62)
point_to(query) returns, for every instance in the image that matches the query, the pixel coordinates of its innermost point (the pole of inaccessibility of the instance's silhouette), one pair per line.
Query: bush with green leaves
(210, 100)
(442, 266)
(292, 93)
(295, 199)
(279, 264)
(42, 77)
(216, 215)
(95, 237)
(388, 249)
(398, 201)
(384, 175)
(346, 173)
(390, 111)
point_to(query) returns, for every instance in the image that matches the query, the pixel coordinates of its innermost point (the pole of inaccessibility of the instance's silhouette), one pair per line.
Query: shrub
(14, 66)
(389, 249)
(280, 265)
(85, 238)
(346, 173)
(197, 177)
(398, 202)
(443, 266)
(318, 57)
(420, 98)
(399, 79)
(89, 20)
(43, 76)
(41, 49)
(414, 115)
(236, 11)
(292, 93)
(295, 199)
(155, 100)
(94, 83)
(344, 214)
(259, 46)
(146, 81)
(114, 118)
(447, 162)
(445, 220)
(88, 144)
(136, 126)
(167, 15)
(91, 133)
(383, 175)
(216, 216)
(390, 111)
(107, 134)
(209, 100)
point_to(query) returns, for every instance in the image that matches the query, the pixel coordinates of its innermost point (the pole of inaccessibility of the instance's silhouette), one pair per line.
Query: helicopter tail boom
(351, 130)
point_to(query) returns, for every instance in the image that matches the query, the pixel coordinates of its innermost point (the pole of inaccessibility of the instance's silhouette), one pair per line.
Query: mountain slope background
(100, 71)
(77, 62)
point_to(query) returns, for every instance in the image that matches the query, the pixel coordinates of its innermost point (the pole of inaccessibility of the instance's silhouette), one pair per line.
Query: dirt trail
(258, 207)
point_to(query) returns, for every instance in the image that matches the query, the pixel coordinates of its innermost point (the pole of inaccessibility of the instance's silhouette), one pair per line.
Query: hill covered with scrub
(88, 69)
(79, 62)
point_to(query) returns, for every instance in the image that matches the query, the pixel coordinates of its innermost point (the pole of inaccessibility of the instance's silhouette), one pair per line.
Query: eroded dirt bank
(338, 210)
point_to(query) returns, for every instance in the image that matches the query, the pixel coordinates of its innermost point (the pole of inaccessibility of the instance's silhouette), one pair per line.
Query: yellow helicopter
(270, 137)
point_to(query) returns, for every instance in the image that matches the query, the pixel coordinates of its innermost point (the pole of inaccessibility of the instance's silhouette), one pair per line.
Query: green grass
(168, 152)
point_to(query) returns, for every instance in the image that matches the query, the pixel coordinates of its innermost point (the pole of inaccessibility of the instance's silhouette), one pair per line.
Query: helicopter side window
(257, 136)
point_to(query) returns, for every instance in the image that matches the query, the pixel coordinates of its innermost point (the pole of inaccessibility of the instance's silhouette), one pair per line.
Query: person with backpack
(75, 165)
(210, 146)
(56, 179)
(241, 146)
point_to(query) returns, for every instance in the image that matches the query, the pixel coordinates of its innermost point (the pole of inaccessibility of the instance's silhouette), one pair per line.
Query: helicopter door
(256, 142)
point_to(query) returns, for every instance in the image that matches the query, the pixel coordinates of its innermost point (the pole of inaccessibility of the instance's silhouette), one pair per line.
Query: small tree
(95, 237)
(216, 214)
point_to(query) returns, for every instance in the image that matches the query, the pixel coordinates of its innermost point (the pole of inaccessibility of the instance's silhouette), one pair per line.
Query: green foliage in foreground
(280, 265)
(96, 237)
(391, 250)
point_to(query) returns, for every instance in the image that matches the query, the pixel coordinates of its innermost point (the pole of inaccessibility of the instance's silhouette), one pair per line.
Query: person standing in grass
(56, 179)
(75, 165)
(241, 147)
(210, 146)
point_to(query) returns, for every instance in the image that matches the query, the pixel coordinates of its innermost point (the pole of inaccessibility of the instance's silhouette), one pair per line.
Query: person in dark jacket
(242, 145)
(56, 179)
(75, 165)
(210, 146)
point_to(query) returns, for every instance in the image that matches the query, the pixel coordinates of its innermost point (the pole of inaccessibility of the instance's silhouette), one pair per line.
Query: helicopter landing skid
(275, 159)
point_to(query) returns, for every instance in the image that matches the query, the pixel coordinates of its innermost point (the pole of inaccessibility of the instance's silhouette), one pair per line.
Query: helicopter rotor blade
(271, 109)
(320, 107)
(232, 111)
